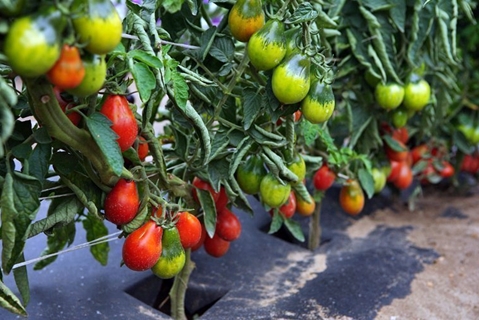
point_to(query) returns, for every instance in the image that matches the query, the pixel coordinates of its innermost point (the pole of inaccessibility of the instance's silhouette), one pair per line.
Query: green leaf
(398, 14)
(202, 131)
(144, 79)
(219, 144)
(295, 229)
(309, 132)
(39, 161)
(57, 240)
(9, 301)
(61, 212)
(95, 228)
(180, 89)
(367, 182)
(223, 49)
(206, 40)
(421, 24)
(217, 170)
(105, 137)
(146, 58)
(361, 120)
(252, 106)
(305, 12)
(276, 222)
(172, 6)
(209, 209)
(21, 280)
(393, 143)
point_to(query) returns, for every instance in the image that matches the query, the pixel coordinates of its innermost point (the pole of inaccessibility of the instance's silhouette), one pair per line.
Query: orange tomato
(351, 197)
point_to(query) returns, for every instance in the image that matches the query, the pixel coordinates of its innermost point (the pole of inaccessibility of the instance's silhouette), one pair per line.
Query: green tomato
(173, 258)
(389, 95)
(400, 117)
(475, 136)
(298, 167)
(318, 106)
(417, 95)
(273, 193)
(292, 37)
(95, 73)
(468, 131)
(250, 173)
(267, 46)
(290, 80)
(32, 45)
(379, 178)
(97, 24)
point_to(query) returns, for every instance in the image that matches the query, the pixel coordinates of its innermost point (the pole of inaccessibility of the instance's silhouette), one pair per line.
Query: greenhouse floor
(387, 263)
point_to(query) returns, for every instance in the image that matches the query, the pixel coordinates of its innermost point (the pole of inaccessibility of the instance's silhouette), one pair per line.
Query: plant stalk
(178, 290)
(314, 239)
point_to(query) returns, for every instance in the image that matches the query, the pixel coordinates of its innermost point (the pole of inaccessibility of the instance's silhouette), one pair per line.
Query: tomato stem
(314, 239)
(178, 291)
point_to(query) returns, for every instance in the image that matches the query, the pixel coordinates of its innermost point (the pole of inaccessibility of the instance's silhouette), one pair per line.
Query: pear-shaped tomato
(298, 167)
(267, 46)
(245, 18)
(94, 78)
(122, 202)
(117, 109)
(290, 78)
(142, 248)
(172, 259)
(389, 95)
(292, 37)
(250, 173)
(228, 226)
(318, 106)
(97, 24)
(68, 71)
(379, 178)
(417, 95)
(32, 45)
(303, 207)
(399, 117)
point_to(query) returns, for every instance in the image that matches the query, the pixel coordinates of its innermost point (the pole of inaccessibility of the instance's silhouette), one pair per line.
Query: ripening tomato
(267, 46)
(74, 116)
(404, 178)
(68, 71)
(245, 18)
(419, 152)
(318, 106)
(470, 164)
(250, 173)
(142, 248)
(447, 170)
(189, 228)
(272, 192)
(351, 197)
(304, 207)
(122, 202)
(117, 109)
(401, 134)
(95, 73)
(417, 95)
(293, 37)
(288, 209)
(143, 148)
(32, 44)
(203, 185)
(389, 95)
(228, 226)
(97, 24)
(291, 78)
(173, 257)
(216, 246)
(379, 178)
(324, 178)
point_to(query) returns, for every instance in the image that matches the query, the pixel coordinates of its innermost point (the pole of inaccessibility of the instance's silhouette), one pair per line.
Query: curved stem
(47, 110)
(178, 291)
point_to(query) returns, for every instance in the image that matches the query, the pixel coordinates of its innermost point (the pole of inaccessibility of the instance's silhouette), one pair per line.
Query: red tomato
(117, 109)
(122, 202)
(394, 174)
(222, 199)
(74, 116)
(216, 246)
(142, 248)
(404, 178)
(324, 178)
(189, 228)
(203, 185)
(68, 71)
(202, 239)
(143, 148)
(447, 170)
(419, 152)
(401, 134)
(396, 155)
(289, 208)
(228, 226)
(427, 172)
